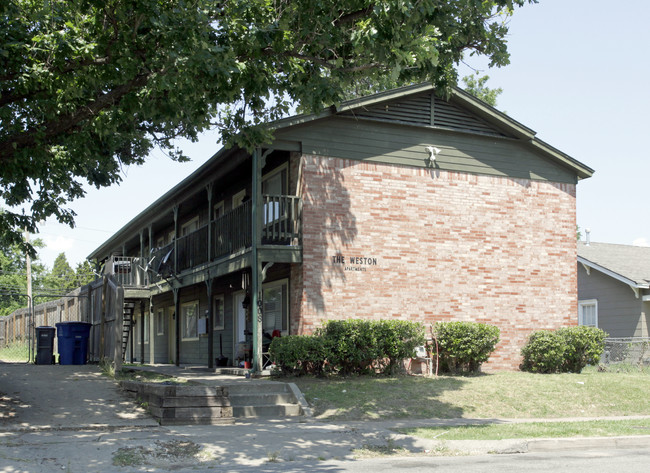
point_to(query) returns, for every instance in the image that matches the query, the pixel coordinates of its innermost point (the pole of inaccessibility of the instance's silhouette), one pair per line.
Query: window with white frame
(588, 312)
(160, 322)
(190, 226)
(189, 320)
(218, 312)
(274, 184)
(218, 209)
(238, 198)
(276, 310)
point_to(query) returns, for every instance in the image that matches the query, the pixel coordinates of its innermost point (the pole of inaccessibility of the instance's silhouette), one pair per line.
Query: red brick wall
(442, 246)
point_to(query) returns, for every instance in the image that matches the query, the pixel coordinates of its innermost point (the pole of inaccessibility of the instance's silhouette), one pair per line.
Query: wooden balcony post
(256, 232)
(208, 188)
(209, 325)
(176, 209)
(177, 320)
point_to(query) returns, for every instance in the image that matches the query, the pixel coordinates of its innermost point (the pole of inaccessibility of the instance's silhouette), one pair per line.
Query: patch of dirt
(163, 455)
(8, 407)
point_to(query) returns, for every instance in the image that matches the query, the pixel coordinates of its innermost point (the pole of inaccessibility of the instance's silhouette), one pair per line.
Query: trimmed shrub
(583, 346)
(543, 352)
(463, 346)
(297, 355)
(351, 345)
(566, 350)
(348, 347)
(397, 340)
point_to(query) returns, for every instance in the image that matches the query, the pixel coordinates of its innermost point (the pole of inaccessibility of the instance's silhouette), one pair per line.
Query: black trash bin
(45, 345)
(73, 342)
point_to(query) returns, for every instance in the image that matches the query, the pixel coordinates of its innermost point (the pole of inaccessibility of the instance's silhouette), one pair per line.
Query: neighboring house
(614, 288)
(400, 205)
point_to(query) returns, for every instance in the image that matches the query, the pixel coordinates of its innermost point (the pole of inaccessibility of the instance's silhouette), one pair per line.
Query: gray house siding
(620, 312)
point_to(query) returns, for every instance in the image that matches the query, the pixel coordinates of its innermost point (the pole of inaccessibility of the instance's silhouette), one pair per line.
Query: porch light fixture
(246, 302)
(433, 152)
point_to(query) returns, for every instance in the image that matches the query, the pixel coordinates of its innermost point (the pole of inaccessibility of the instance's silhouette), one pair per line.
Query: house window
(274, 184)
(588, 312)
(160, 322)
(218, 312)
(189, 320)
(238, 198)
(218, 210)
(276, 311)
(189, 227)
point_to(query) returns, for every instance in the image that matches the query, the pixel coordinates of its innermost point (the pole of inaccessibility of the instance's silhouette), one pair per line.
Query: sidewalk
(75, 418)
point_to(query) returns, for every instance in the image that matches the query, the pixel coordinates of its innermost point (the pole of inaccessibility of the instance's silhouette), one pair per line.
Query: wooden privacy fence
(99, 303)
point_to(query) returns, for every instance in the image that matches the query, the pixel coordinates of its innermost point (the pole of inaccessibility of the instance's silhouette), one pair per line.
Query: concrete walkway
(74, 419)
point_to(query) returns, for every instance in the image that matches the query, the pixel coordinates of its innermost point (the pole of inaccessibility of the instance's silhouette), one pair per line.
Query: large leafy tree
(89, 86)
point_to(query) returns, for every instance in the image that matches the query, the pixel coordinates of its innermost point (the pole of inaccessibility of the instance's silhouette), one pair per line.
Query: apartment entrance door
(239, 315)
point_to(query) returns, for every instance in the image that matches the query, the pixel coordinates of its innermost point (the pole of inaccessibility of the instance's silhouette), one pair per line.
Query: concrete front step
(261, 399)
(275, 410)
(266, 399)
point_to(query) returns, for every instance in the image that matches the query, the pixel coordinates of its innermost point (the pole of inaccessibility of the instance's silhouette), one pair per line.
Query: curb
(514, 446)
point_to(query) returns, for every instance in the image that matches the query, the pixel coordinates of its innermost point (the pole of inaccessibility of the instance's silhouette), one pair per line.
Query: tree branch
(68, 123)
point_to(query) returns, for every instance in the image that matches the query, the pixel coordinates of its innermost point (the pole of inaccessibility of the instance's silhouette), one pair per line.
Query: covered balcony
(225, 238)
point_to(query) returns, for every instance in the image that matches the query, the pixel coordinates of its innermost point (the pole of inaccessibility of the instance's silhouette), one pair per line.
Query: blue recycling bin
(73, 342)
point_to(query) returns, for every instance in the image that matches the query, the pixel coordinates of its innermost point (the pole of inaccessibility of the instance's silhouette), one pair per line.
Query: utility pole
(30, 299)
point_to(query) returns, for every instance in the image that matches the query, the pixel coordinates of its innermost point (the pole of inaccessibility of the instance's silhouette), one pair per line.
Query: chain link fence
(633, 351)
(16, 339)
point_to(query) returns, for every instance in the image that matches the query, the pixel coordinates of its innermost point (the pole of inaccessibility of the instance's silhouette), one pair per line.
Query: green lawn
(499, 395)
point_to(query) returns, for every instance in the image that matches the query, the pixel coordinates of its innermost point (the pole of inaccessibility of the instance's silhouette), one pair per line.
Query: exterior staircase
(127, 326)
(268, 399)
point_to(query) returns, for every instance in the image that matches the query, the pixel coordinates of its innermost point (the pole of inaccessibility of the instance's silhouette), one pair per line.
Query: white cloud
(58, 244)
(641, 242)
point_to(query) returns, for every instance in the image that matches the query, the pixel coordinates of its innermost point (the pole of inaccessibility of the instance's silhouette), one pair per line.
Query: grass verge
(596, 428)
(500, 395)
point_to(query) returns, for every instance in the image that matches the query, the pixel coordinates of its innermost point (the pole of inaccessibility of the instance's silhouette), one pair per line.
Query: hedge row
(348, 347)
(566, 350)
(362, 346)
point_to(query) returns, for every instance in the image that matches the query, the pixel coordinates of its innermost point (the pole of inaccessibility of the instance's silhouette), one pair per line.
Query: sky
(576, 77)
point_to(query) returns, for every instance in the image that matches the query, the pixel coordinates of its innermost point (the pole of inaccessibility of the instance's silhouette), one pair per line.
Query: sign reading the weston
(354, 263)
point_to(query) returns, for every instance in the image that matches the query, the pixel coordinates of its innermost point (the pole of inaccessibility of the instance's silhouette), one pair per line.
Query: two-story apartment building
(398, 205)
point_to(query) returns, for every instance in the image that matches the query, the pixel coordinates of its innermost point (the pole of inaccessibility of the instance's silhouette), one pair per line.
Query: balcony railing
(231, 233)
(128, 271)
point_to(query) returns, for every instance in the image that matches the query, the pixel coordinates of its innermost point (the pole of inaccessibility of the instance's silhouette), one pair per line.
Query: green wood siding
(426, 109)
(390, 143)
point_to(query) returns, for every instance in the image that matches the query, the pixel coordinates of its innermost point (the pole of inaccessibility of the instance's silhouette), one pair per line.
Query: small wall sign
(354, 263)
